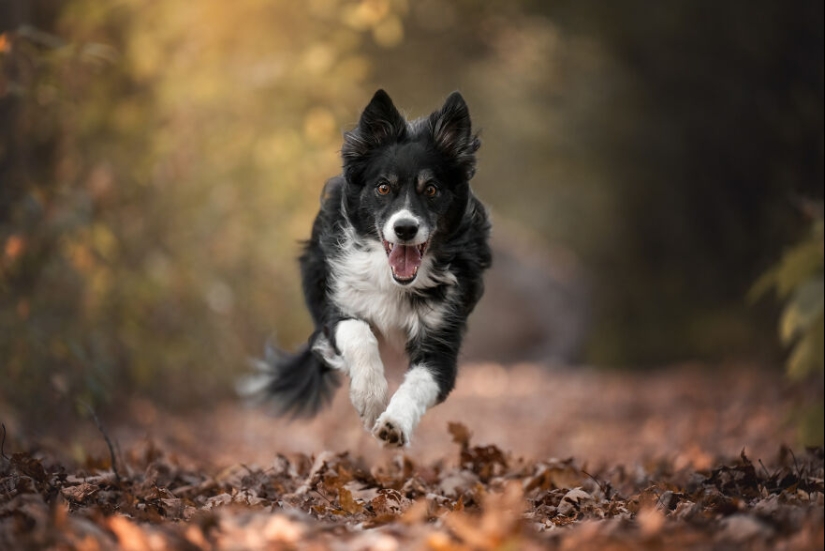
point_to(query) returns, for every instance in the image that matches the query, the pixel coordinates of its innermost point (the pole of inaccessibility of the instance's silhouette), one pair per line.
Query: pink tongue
(405, 260)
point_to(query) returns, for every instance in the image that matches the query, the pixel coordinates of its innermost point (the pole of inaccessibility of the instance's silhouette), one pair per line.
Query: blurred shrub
(161, 163)
(798, 282)
(657, 141)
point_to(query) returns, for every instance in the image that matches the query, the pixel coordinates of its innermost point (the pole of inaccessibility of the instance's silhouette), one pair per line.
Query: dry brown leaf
(194, 535)
(573, 501)
(458, 482)
(465, 528)
(316, 472)
(416, 513)
(348, 504)
(389, 502)
(283, 530)
(439, 541)
(740, 528)
(651, 521)
(79, 493)
(29, 466)
(129, 535)
(479, 505)
(217, 501)
(500, 521)
(460, 433)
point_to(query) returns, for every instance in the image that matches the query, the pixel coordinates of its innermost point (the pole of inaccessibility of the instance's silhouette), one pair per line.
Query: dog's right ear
(379, 123)
(453, 135)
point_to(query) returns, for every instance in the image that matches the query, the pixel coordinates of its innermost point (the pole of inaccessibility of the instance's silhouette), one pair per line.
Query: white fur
(331, 357)
(252, 386)
(389, 228)
(368, 387)
(363, 287)
(414, 397)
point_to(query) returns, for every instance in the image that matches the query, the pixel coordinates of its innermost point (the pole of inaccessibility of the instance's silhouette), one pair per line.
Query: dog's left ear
(380, 122)
(452, 131)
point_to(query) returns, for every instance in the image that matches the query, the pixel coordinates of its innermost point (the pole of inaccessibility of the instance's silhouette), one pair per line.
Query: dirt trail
(522, 458)
(688, 414)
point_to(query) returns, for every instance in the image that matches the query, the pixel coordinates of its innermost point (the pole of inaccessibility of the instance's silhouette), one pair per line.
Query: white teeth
(388, 246)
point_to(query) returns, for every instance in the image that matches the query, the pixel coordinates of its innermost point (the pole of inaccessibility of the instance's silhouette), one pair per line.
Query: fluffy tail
(295, 385)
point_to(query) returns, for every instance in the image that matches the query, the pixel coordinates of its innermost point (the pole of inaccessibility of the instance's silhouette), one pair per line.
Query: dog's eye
(383, 189)
(431, 191)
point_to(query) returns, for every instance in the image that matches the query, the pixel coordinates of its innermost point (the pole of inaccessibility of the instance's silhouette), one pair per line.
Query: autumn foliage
(487, 500)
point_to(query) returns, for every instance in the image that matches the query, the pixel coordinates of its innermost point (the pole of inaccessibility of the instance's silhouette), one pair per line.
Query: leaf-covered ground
(520, 459)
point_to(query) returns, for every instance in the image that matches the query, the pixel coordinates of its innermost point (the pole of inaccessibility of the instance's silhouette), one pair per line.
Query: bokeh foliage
(663, 143)
(163, 161)
(797, 280)
(160, 161)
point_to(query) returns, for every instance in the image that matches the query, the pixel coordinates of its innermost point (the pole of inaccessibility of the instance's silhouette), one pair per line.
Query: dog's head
(407, 183)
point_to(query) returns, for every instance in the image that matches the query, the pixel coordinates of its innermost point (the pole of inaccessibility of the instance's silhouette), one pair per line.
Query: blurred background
(654, 170)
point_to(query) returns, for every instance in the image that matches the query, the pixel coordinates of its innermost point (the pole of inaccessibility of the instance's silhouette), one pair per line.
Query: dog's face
(407, 184)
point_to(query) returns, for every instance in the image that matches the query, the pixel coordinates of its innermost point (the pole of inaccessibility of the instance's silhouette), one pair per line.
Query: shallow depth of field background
(645, 164)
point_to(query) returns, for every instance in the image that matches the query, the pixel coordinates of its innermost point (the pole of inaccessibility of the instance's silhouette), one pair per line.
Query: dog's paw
(370, 412)
(390, 432)
(369, 397)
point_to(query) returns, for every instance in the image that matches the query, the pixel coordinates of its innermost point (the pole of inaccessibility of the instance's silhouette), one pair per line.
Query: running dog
(398, 249)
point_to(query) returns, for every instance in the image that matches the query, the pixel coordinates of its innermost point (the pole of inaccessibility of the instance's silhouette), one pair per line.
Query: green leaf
(797, 265)
(806, 304)
(765, 283)
(811, 425)
(807, 354)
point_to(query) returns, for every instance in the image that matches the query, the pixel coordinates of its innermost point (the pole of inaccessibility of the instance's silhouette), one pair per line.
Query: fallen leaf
(460, 433)
(130, 536)
(740, 528)
(79, 493)
(573, 501)
(348, 504)
(650, 521)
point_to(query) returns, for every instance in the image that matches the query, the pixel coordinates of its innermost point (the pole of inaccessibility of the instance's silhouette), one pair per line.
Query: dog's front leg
(368, 387)
(431, 377)
(419, 392)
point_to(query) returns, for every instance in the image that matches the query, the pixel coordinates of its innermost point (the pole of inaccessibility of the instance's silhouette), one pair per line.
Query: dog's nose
(405, 229)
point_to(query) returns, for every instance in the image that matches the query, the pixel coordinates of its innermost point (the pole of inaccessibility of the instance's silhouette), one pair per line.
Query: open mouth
(404, 260)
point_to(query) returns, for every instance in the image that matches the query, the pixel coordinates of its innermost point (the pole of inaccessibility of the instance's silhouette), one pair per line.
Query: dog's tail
(294, 385)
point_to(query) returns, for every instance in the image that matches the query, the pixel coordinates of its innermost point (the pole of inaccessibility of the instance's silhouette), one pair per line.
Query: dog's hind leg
(368, 386)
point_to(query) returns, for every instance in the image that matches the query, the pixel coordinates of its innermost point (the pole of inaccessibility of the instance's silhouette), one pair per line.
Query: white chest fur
(363, 287)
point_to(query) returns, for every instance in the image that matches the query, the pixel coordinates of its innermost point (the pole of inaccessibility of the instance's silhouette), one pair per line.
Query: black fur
(303, 385)
(385, 149)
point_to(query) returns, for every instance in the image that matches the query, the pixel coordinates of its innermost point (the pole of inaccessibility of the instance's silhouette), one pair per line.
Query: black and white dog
(398, 249)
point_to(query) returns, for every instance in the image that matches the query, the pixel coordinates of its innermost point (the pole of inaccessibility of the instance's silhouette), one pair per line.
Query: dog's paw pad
(390, 434)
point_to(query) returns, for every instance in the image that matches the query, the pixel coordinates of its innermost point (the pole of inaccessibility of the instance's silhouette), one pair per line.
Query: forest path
(689, 414)
(523, 458)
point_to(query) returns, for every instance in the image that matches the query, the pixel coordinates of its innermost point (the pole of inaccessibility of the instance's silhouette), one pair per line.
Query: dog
(398, 249)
